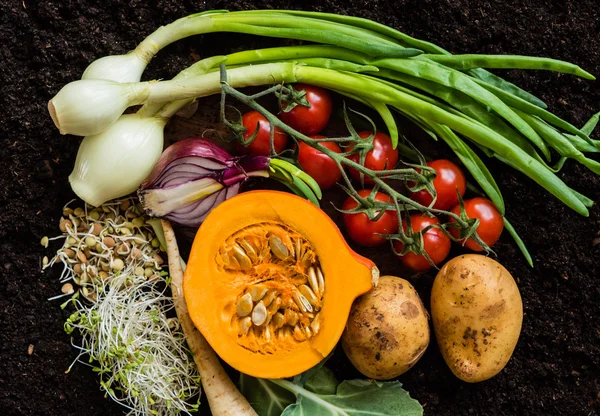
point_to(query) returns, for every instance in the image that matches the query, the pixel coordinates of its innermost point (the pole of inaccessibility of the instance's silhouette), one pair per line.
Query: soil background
(555, 369)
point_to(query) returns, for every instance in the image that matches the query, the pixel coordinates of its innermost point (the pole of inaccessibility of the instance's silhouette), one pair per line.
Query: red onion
(193, 176)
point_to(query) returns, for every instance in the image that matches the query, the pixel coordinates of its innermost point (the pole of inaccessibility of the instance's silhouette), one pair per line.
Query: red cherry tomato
(318, 165)
(261, 145)
(382, 156)
(490, 222)
(364, 231)
(313, 119)
(435, 243)
(449, 178)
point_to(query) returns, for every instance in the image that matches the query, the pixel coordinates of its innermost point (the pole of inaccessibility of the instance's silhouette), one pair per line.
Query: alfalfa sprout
(122, 325)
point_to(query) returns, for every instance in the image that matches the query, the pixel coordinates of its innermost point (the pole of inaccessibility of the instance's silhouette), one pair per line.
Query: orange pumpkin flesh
(221, 286)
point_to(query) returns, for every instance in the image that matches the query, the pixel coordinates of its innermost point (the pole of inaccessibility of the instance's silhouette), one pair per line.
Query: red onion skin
(176, 166)
(194, 146)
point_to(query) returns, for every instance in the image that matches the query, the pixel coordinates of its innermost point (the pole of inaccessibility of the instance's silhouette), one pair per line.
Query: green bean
(582, 145)
(425, 46)
(419, 123)
(590, 125)
(472, 61)
(297, 52)
(470, 107)
(584, 199)
(478, 132)
(336, 64)
(458, 80)
(460, 100)
(560, 143)
(511, 230)
(587, 202)
(527, 107)
(494, 80)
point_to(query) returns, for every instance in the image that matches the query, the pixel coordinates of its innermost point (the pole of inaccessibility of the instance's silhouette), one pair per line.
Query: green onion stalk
(129, 67)
(452, 97)
(369, 89)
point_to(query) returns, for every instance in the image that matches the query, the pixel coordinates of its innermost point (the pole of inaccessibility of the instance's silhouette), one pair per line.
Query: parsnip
(223, 397)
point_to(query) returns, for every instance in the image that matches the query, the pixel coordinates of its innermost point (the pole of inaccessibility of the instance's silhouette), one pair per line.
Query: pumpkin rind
(209, 290)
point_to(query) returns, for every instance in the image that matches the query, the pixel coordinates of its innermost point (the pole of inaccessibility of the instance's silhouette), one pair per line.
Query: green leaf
(322, 382)
(266, 398)
(353, 398)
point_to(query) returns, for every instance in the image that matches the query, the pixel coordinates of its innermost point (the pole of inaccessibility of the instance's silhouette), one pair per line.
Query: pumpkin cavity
(278, 287)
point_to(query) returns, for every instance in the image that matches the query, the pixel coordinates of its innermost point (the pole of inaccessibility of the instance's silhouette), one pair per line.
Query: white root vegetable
(223, 397)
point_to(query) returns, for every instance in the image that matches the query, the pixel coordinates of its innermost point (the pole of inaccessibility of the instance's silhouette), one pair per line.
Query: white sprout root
(223, 397)
(122, 312)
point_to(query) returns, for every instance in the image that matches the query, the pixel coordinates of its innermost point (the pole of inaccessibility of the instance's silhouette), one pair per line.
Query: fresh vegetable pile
(270, 281)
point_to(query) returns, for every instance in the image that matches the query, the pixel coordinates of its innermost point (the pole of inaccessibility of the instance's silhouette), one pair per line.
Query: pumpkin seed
(303, 303)
(245, 325)
(234, 263)
(269, 297)
(299, 335)
(243, 259)
(315, 325)
(259, 314)
(247, 247)
(291, 317)
(274, 306)
(320, 281)
(298, 249)
(278, 320)
(267, 334)
(244, 305)
(312, 280)
(278, 248)
(308, 294)
(308, 332)
(258, 292)
(290, 248)
(306, 260)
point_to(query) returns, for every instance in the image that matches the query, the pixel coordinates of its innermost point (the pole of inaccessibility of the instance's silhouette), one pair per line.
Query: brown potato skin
(387, 331)
(477, 313)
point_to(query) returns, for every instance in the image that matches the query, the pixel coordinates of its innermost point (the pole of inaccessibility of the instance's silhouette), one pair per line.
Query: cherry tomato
(490, 222)
(449, 178)
(435, 243)
(313, 119)
(318, 165)
(261, 145)
(364, 231)
(382, 156)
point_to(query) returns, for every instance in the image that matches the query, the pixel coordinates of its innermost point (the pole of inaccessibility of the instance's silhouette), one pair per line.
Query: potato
(477, 313)
(387, 331)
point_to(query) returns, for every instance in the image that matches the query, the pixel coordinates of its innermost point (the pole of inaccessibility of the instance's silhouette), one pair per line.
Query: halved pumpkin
(270, 282)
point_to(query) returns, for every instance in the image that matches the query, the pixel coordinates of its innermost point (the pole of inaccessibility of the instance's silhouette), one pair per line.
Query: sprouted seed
(122, 312)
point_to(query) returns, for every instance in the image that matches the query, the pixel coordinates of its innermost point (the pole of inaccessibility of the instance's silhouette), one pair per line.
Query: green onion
(447, 95)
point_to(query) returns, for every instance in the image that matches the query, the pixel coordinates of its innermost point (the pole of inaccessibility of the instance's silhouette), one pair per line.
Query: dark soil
(555, 369)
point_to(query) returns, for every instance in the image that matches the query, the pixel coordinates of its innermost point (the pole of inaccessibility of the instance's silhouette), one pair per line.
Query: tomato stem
(400, 203)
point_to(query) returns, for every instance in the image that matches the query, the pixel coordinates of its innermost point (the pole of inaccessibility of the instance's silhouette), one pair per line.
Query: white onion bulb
(88, 107)
(115, 162)
(119, 68)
